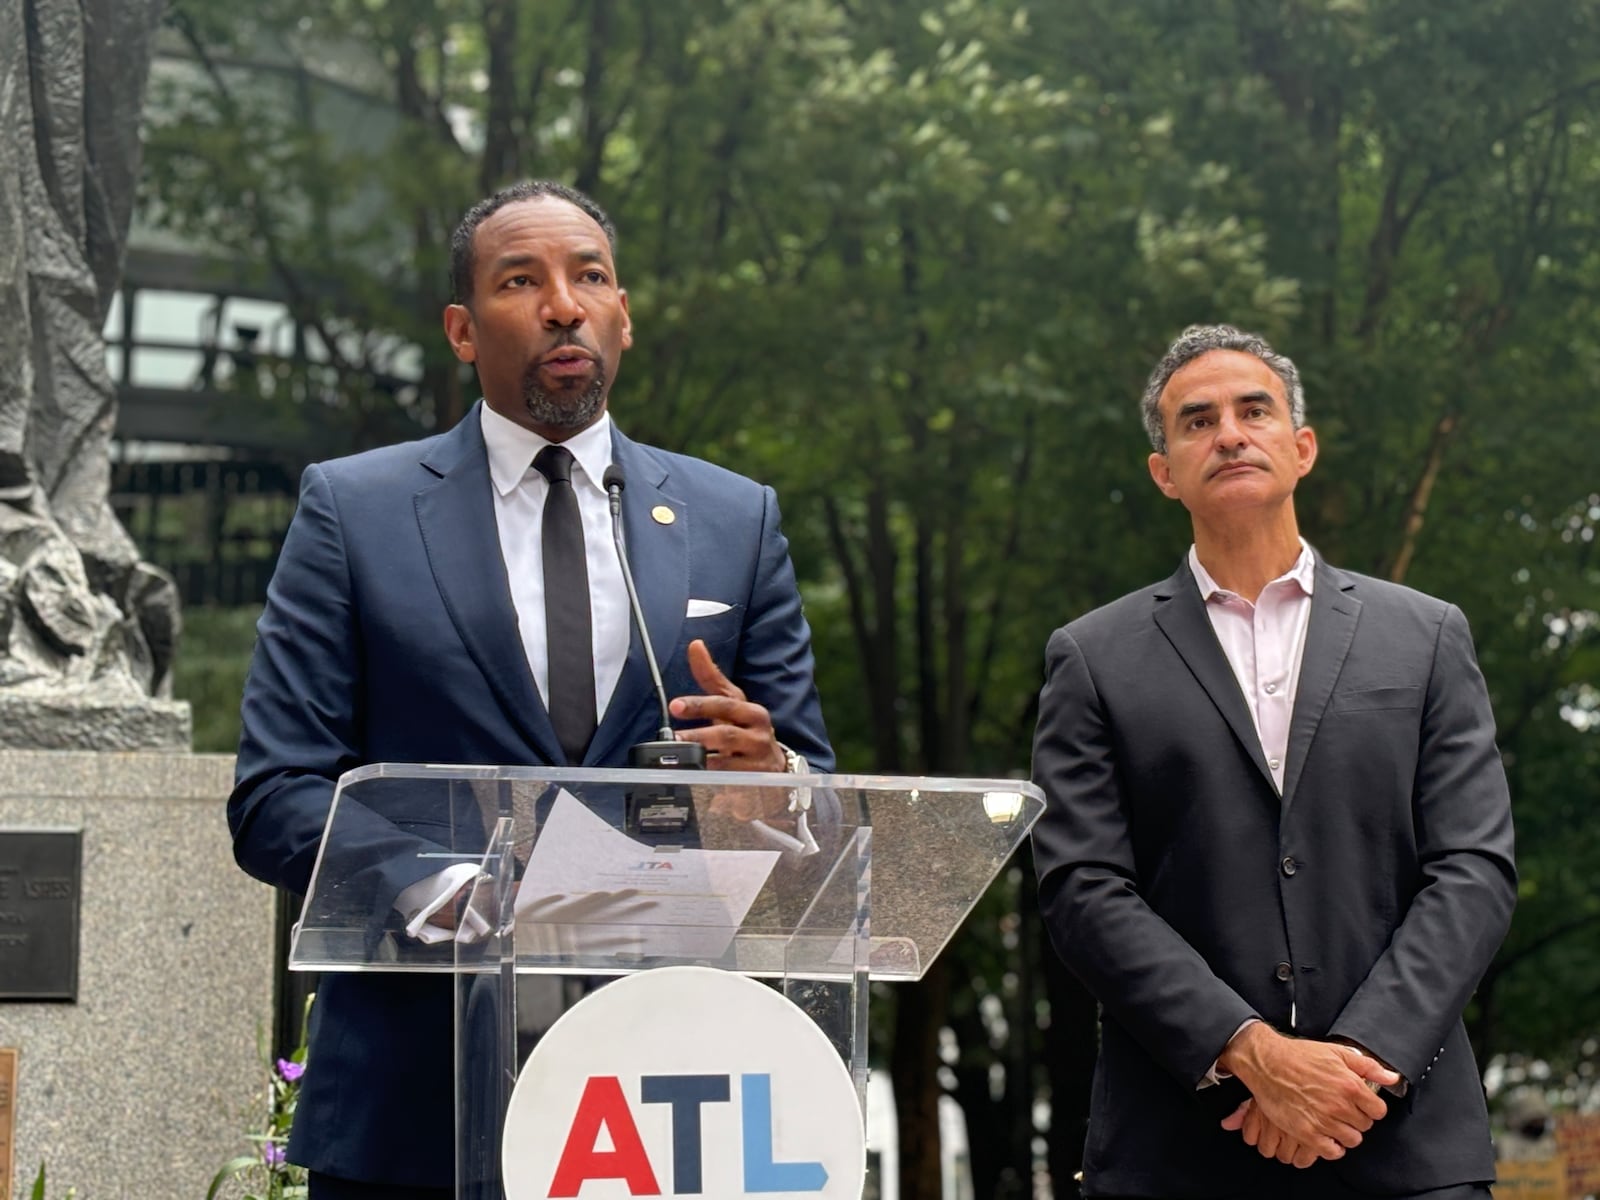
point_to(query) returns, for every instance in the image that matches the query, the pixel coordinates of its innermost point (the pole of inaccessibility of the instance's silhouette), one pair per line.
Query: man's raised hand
(740, 736)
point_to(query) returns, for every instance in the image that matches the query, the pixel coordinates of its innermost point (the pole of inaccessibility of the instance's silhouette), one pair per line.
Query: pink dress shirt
(1264, 643)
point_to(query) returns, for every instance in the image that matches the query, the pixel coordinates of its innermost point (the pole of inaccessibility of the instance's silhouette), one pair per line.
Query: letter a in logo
(603, 1103)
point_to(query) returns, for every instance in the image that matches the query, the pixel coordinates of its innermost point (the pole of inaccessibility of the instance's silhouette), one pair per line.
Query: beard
(564, 408)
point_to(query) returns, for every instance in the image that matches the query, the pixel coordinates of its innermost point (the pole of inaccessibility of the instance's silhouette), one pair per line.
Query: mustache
(569, 337)
(1235, 460)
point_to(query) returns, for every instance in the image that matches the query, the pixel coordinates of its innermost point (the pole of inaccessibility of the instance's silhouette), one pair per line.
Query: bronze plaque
(40, 876)
(8, 1116)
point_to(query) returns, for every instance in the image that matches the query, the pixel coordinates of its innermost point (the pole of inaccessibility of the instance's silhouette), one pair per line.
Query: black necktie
(569, 644)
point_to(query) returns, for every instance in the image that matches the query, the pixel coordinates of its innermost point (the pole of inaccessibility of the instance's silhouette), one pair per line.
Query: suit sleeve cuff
(1215, 1074)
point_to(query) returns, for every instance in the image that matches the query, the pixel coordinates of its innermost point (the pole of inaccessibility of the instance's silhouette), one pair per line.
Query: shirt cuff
(1215, 1074)
(427, 896)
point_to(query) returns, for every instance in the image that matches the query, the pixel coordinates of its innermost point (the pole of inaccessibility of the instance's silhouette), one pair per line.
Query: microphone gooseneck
(652, 809)
(614, 481)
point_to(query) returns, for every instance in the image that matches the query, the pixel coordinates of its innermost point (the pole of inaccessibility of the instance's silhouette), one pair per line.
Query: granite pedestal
(144, 1086)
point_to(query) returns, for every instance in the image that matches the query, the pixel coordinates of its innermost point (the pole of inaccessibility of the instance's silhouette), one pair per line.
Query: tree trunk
(957, 730)
(1417, 506)
(595, 130)
(920, 1013)
(502, 150)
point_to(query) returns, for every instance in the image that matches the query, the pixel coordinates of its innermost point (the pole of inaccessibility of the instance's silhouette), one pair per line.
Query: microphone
(658, 809)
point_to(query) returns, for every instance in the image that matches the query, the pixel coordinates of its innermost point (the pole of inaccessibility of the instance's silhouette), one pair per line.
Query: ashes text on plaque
(40, 876)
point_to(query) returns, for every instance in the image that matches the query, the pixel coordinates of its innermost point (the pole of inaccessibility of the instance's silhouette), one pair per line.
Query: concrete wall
(144, 1087)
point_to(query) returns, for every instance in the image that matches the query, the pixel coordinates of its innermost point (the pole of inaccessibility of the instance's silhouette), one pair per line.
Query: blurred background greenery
(909, 261)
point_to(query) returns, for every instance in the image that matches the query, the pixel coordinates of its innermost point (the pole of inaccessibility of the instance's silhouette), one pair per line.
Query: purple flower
(273, 1154)
(291, 1071)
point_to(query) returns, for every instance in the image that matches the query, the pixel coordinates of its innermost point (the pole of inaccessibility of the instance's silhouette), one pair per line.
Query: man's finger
(726, 709)
(1235, 1120)
(1368, 1067)
(1254, 1125)
(728, 741)
(1345, 1135)
(707, 674)
(1371, 1105)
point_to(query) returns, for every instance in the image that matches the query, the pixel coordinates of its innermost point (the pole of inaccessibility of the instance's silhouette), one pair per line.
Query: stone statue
(87, 630)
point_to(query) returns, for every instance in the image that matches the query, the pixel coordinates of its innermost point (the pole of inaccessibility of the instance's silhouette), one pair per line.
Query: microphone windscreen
(614, 478)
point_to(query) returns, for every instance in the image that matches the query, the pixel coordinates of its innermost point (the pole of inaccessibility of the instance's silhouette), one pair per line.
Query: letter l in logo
(761, 1174)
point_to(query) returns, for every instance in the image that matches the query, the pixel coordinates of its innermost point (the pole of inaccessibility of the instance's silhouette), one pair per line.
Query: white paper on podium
(590, 890)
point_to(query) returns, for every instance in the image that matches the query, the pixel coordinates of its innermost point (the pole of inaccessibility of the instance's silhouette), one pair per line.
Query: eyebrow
(1195, 407)
(507, 261)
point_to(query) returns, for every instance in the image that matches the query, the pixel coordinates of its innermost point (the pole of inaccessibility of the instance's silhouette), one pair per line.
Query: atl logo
(604, 1114)
(684, 1081)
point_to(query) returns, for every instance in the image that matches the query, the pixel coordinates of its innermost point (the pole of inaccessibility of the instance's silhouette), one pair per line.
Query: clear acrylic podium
(872, 887)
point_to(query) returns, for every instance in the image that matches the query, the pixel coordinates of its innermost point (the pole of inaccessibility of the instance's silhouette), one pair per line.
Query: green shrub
(212, 660)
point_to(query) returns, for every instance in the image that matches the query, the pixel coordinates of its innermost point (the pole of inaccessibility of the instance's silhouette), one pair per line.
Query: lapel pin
(663, 515)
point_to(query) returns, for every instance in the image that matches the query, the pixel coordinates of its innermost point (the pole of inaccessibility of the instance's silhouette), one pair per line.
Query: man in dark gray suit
(1278, 842)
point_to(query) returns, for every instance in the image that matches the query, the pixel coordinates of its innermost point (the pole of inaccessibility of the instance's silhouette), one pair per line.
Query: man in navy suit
(1277, 846)
(415, 616)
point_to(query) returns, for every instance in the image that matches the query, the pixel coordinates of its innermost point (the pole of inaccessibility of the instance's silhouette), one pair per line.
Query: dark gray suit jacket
(1188, 896)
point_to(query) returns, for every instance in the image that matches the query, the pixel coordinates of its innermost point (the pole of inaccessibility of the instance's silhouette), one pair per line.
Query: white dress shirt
(519, 494)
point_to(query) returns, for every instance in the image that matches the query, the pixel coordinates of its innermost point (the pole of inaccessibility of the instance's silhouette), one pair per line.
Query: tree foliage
(909, 262)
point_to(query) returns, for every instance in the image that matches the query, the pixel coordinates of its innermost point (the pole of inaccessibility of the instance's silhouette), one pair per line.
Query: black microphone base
(663, 808)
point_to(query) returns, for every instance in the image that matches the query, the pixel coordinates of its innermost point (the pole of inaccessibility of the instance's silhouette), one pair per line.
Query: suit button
(1290, 866)
(1284, 972)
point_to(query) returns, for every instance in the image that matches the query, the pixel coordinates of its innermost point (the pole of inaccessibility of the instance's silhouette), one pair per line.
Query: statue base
(148, 1082)
(68, 722)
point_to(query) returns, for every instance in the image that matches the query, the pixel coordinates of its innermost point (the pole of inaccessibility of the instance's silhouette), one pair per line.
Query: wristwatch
(795, 763)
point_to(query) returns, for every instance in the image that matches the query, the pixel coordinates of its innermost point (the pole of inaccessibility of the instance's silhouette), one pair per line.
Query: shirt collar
(512, 450)
(1304, 573)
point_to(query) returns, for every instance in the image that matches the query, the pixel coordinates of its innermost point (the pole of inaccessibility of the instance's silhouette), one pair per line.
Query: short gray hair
(1202, 339)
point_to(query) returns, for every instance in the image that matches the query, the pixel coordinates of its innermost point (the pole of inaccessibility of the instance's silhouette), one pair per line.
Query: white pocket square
(706, 608)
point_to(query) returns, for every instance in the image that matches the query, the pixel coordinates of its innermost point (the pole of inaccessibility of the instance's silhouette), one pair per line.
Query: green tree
(910, 262)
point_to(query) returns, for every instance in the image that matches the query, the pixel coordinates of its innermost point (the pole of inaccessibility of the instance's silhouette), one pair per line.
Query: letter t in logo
(686, 1093)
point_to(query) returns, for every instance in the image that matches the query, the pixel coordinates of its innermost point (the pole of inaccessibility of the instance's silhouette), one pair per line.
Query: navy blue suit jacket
(389, 635)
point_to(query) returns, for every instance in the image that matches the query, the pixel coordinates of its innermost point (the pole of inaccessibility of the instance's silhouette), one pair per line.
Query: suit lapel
(1334, 613)
(658, 555)
(1181, 615)
(459, 532)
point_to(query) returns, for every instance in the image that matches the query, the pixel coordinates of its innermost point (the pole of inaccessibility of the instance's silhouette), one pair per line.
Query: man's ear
(458, 329)
(1305, 444)
(627, 321)
(1161, 472)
